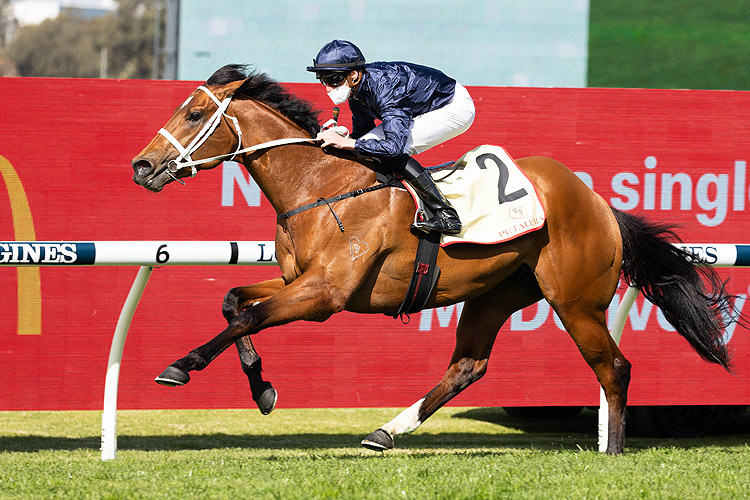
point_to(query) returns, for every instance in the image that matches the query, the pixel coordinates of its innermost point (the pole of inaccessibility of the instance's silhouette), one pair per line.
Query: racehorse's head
(201, 133)
(198, 130)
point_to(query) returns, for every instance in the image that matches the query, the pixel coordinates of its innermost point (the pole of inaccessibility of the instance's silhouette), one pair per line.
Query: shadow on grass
(450, 440)
(544, 434)
(584, 423)
(736, 429)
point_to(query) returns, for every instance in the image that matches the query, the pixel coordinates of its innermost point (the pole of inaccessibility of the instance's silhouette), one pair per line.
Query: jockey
(419, 107)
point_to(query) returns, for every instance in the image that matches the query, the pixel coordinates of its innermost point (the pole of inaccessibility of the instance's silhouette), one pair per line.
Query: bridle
(184, 160)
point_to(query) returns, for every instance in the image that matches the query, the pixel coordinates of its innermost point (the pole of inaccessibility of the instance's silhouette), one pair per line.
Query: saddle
(495, 201)
(426, 272)
(493, 197)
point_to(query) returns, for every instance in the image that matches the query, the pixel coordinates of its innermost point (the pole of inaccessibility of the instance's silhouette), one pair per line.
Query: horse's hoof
(267, 401)
(173, 377)
(380, 440)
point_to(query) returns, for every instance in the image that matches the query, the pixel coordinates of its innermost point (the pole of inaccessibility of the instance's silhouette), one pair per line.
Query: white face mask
(340, 94)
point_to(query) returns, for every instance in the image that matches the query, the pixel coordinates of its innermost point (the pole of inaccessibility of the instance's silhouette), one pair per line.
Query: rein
(184, 160)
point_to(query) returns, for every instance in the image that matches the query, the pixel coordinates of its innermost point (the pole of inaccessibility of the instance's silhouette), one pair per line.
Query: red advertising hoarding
(65, 151)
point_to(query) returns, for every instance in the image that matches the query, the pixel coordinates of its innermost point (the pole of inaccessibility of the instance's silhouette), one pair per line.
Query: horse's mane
(267, 90)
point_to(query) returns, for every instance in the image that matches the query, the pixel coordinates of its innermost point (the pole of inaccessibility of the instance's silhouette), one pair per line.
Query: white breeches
(436, 126)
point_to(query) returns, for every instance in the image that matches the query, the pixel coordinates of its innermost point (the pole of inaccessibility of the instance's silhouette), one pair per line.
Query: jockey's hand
(332, 138)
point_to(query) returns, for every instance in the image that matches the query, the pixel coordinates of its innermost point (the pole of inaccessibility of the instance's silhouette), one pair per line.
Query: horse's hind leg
(579, 287)
(477, 328)
(589, 331)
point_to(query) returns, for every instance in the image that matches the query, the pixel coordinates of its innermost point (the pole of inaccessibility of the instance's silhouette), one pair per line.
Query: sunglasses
(332, 79)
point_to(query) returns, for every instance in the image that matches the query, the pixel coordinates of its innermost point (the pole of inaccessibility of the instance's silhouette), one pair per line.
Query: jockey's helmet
(337, 56)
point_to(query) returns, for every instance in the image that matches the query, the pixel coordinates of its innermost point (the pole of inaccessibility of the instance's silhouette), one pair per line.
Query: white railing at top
(136, 253)
(149, 254)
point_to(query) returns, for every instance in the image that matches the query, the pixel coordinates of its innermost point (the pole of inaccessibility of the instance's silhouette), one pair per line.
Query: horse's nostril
(142, 167)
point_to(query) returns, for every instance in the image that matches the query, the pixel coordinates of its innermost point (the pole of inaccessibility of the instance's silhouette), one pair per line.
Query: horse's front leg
(237, 300)
(263, 392)
(240, 298)
(309, 298)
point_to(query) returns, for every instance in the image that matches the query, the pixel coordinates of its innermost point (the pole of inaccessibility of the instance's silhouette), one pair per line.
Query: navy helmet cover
(337, 55)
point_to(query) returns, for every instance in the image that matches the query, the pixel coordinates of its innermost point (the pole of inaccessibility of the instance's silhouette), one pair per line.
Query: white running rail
(149, 254)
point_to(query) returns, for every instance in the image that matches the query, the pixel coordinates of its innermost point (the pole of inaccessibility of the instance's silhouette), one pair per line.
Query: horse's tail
(694, 299)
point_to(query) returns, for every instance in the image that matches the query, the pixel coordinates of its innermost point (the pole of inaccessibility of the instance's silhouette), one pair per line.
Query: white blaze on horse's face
(186, 101)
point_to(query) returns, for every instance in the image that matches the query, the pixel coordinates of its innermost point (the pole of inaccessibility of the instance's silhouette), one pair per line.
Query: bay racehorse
(574, 261)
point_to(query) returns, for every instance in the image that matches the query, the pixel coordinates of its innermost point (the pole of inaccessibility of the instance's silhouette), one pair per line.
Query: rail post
(112, 380)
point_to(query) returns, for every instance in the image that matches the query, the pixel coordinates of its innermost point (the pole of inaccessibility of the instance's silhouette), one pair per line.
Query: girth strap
(425, 275)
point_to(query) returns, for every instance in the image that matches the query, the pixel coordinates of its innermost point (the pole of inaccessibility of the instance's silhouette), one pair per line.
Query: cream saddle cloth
(493, 197)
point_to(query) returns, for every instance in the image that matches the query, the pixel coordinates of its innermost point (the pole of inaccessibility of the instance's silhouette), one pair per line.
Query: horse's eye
(195, 116)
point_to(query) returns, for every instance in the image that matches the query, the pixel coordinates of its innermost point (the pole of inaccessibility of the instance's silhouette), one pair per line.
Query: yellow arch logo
(29, 281)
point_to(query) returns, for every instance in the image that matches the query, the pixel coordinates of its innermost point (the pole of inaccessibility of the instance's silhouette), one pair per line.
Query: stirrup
(444, 222)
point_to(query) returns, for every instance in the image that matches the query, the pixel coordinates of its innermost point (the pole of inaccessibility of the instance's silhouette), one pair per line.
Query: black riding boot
(446, 219)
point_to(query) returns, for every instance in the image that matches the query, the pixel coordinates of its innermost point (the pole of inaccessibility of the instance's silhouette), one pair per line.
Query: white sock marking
(407, 421)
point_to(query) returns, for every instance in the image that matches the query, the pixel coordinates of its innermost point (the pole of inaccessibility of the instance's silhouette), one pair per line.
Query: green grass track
(458, 453)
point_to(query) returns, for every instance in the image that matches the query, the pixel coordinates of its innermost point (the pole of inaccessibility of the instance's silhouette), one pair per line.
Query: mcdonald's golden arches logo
(29, 281)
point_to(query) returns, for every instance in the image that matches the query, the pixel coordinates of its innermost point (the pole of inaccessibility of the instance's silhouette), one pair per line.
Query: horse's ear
(229, 89)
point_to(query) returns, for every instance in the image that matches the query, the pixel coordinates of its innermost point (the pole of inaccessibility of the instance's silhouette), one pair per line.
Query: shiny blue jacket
(395, 92)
